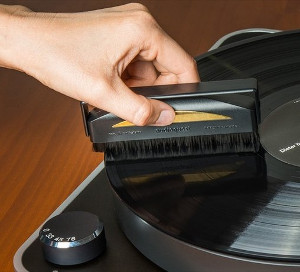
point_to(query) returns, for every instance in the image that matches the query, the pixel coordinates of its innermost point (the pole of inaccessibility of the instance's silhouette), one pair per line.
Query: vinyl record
(244, 205)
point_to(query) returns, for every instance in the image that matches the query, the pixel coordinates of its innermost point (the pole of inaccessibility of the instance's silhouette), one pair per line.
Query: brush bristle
(182, 146)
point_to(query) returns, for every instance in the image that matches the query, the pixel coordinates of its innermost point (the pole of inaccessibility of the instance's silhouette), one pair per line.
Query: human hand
(95, 56)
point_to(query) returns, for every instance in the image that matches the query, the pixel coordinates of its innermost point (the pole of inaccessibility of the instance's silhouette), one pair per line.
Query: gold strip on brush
(184, 117)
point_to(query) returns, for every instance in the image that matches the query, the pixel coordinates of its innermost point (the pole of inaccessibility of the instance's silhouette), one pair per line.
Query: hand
(94, 56)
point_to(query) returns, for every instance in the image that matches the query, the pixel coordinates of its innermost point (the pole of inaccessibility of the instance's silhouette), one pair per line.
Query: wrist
(11, 35)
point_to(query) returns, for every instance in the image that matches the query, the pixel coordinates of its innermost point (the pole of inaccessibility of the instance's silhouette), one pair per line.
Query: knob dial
(72, 238)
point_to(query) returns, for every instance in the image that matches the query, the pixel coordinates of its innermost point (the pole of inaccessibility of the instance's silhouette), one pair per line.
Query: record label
(280, 133)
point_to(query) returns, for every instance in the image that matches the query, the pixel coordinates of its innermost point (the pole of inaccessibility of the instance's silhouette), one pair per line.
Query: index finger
(173, 63)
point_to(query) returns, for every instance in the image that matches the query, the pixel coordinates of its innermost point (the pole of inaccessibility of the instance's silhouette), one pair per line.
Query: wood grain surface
(44, 154)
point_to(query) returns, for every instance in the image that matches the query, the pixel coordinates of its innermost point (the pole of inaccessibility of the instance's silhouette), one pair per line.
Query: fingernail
(166, 117)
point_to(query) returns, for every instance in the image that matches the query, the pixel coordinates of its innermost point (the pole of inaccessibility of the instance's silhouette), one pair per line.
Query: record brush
(210, 118)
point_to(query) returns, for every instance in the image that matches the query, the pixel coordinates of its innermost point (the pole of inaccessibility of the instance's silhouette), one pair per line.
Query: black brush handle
(229, 110)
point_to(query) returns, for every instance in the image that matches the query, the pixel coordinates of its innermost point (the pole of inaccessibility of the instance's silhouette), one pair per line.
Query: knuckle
(145, 17)
(19, 8)
(138, 6)
(142, 16)
(194, 64)
(139, 22)
(191, 69)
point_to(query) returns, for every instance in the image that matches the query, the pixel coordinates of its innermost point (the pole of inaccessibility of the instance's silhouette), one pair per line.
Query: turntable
(215, 213)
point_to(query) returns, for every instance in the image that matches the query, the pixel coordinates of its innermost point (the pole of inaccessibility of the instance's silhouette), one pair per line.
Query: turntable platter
(243, 207)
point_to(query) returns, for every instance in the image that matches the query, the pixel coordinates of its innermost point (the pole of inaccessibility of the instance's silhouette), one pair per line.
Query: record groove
(241, 205)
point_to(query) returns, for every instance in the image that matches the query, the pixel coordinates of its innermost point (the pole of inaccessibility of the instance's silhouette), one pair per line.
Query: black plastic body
(234, 98)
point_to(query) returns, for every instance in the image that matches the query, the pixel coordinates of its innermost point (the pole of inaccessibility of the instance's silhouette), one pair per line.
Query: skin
(96, 56)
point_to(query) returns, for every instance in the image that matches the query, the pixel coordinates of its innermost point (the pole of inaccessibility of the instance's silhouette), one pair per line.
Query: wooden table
(44, 154)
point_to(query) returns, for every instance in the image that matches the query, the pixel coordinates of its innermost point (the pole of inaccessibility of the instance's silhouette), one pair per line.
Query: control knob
(72, 238)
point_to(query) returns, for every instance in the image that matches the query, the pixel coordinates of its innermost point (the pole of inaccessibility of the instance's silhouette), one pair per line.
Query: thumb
(138, 109)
